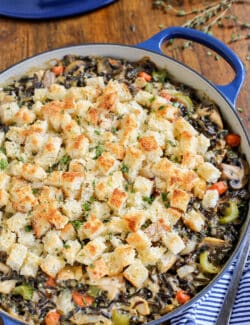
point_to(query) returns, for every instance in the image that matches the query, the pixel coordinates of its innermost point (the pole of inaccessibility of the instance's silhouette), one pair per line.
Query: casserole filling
(122, 193)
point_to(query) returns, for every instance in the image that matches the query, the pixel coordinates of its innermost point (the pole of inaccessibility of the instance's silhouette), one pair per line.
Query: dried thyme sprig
(207, 17)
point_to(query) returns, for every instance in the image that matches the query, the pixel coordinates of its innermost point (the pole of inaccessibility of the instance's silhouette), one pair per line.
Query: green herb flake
(172, 143)
(147, 199)
(91, 266)
(77, 224)
(3, 150)
(35, 190)
(65, 160)
(28, 228)
(161, 107)
(66, 246)
(152, 99)
(124, 168)
(97, 132)
(98, 151)
(114, 130)
(164, 197)
(3, 164)
(86, 206)
(240, 109)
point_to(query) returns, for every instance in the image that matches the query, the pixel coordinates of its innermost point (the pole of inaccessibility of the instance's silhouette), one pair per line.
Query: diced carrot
(182, 297)
(221, 187)
(50, 282)
(82, 300)
(52, 318)
(233, 140)
(145, 75)
(57, 70)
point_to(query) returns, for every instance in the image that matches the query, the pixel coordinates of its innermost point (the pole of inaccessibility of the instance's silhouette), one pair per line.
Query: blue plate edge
(79, 8)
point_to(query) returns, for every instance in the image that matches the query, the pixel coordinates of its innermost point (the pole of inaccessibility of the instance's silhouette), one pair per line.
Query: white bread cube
(4, 181)
(24, 116)
(16, 257)
(194, 220)
(56, 91)
(210, 199)
(30, 265)
(179, 199)
(166, 262)
(136, 273)
(72, 209)
(17, 221)
(151, 255)
(139, 240)
(13, 149)
(91, 251)
(144, 98)
(203, 144)
(26, 238)
(70, 250)
(173, 242)
(208, 172)
(8, 111)
(40, 94)
(143, 185)
(4, 198)
(7, 239)
(52, 242)
(52, 264)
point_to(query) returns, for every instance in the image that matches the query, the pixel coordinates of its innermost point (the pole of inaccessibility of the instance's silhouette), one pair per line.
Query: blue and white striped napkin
(205, 311)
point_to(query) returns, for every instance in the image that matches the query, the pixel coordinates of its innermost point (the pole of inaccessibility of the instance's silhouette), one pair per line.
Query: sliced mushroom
(213, 242)
(140, 305)
(238, 175)
(7, 286)
(48, 79)
(4, 268)
(74, 66)
(213, 115)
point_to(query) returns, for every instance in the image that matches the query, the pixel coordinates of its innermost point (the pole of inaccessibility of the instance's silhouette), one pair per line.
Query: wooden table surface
(126, 22)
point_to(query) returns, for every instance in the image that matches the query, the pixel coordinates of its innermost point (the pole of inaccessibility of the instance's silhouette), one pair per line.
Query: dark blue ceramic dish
(225, 97)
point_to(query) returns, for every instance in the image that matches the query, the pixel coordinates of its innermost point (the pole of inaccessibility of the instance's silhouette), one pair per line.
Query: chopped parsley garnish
(86, 206)
(97, 132)
(28, 228)
(3, 164)
(77, 224)
(124, 168)
(172, 143)
(65, 160)
(147, 199)
(151, 99)
(161, 107)
(66, 246)
(3, 150)
(114, 130)
(98, 151)
(35, 190)
(164, 197)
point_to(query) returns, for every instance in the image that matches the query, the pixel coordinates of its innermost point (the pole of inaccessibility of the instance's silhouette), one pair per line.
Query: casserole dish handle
(231, 90)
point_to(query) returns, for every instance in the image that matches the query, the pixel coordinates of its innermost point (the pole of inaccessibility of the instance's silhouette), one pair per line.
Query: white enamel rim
(181, 73)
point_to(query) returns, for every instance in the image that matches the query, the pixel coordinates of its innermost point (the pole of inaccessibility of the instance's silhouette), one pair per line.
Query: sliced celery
(206, 266)
(24, 290)
(231, 213)
(119, 318)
